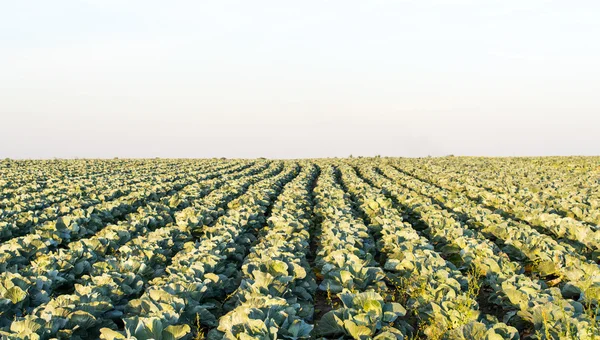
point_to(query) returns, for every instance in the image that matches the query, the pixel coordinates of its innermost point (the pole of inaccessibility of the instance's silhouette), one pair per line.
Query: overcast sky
(288, 79)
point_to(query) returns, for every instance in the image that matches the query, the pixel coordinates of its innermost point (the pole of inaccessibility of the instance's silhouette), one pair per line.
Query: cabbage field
(355, 248)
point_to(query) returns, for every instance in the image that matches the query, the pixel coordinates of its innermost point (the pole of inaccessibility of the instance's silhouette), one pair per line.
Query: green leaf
(357, 332)
(346, 276)
(386, 336)
(15, 294)
(211, 276)
(175, 332)
(546, 268)
(63, 222)
(368, 301)
(154, 326)
(372, 305)
(28, 326)
(329, 324)
(82, 319)
(516, 297)
(571, 291)
(393, 310)
(109, 334)
(299, 328)
(278, 268)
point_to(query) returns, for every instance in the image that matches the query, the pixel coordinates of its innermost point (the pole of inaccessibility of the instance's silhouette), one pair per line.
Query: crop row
(348, 271)
(206, 271)
(542, 198)
(89, 186)
(526, 302)
(275, 296)
(81, 223)
(322, 249)
(22, 223)
(443, 300)
(53, 177)
(578, 277)
(565, 229)
(101, 296)
(57, 270)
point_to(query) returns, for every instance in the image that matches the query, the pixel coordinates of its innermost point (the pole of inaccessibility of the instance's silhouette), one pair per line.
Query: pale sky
(291, 79)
